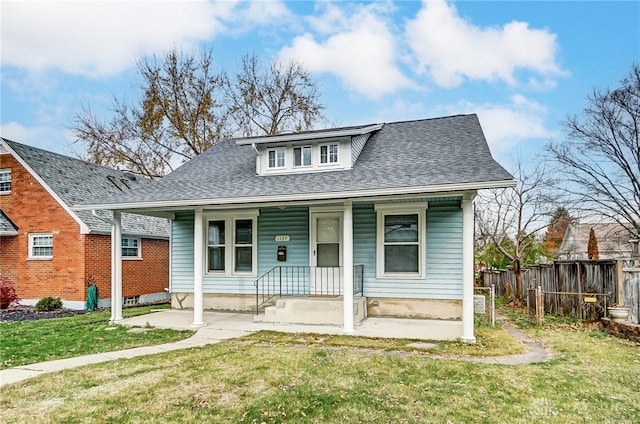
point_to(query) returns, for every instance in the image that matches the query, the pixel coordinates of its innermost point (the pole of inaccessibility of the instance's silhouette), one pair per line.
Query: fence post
(493, 304)
(539, 305)
(280, 274)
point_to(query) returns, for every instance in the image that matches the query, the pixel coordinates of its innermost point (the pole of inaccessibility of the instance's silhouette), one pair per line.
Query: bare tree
(600, 160)
(268, 100)
(178, 117)
(512, 218)
(186, 108)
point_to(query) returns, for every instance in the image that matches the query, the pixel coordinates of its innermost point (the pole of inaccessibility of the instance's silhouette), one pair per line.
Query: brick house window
(5, 181)
(41, 246)
(131, 247)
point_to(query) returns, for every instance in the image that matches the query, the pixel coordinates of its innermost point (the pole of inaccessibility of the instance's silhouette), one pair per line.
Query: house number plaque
(283, 238)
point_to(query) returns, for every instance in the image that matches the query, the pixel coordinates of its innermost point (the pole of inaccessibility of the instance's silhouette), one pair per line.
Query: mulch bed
(29, 313)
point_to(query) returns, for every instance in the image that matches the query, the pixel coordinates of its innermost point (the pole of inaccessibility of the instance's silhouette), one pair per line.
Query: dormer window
(302, 156)
(277, 158)
(329, 154)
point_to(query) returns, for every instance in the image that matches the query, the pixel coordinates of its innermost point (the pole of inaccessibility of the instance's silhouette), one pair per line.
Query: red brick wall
(75, 255)
(139, 276)
(33, 210)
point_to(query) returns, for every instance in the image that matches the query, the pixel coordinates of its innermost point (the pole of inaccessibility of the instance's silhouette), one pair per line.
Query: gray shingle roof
(428, 152)
(76, 181)
(6, 224)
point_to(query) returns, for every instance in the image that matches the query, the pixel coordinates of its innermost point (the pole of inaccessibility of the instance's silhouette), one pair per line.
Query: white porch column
(467, 269)
(116, 268)
(198, 269)
(347, 262)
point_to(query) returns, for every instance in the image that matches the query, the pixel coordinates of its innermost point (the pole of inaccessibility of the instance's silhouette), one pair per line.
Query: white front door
(326, 253)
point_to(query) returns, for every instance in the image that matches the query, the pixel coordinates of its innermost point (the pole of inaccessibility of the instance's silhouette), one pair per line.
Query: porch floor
(222, 325)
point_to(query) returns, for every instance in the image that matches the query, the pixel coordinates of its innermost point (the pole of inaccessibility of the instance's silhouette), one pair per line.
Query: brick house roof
(74, 181)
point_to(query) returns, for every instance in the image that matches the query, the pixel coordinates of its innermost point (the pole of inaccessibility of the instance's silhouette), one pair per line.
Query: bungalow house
(46, 249)
(614, 241)
(327, 226)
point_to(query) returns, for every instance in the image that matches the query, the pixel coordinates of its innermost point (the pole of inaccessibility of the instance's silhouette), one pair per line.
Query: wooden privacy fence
(566, 286)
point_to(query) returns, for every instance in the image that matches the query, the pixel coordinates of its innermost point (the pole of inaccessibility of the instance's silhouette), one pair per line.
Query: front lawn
(28, 342)
(273, 378)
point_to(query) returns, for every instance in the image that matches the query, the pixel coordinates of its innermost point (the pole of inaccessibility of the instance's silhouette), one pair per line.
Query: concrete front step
(312, 310)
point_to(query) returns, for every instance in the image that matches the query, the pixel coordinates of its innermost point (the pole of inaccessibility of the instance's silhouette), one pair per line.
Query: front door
(326, 254)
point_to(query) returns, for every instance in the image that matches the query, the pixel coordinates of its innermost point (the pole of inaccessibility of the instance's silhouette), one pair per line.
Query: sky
(522, 66)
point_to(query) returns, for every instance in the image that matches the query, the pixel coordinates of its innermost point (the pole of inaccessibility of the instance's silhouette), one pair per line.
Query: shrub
(8, 293)
(48, 304)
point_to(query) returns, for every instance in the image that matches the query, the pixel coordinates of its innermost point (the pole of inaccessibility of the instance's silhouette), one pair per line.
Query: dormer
(309, 151)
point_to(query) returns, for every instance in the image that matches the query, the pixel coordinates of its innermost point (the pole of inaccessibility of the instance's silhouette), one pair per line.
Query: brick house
(47, 249)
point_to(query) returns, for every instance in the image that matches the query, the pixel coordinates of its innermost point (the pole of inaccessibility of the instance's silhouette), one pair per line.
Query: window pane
(216, 233)
(280, 158)
(272, 158)
(244, 259)
(400, 228)
(216, 259)
(42, 245)
(323, 154)
(306, 156)
(297, 156)
(333, 153)
(328, 230)
(5, 180)
(243, 231)
(129, 251)
(328, 254)
(401, 258)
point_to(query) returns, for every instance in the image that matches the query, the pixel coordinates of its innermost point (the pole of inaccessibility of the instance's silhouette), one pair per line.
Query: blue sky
(522, 66)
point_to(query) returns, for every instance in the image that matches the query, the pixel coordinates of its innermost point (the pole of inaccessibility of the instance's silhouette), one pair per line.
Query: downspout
(116, 268)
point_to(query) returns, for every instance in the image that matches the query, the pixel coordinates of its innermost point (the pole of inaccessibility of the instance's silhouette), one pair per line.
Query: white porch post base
(467, 270)
(198, 268)
(347, 235)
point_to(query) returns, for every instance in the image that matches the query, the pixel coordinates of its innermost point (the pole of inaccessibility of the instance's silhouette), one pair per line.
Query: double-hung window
(277, 158)
(130, 247)
(5, 181)
(329, 154)
(41, 246)
(400, 241)
(231, 244)
(302, 156)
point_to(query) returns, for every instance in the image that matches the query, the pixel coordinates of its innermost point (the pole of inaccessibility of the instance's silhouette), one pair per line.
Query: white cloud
(43, 137)
(359, 49)
(451, 49)
(506, 126)
(104, 37)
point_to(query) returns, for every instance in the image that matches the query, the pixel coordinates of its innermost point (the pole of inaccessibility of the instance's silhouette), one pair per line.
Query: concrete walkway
(223, 326)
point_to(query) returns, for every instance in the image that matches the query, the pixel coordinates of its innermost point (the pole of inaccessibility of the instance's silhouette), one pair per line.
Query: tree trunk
(517, 271)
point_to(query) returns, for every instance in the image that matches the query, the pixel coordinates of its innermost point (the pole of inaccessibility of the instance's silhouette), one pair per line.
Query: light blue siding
(442, 253)
(444, 250)
(182, 253)
(293, 222)
(442, 256)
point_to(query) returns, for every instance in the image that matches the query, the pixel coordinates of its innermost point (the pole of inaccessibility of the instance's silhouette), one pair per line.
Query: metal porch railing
(282, 281)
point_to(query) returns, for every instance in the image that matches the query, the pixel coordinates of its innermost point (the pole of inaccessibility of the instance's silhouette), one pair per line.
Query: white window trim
(401, 209)
(329, 163)
(31, 256)
(6, 171)
(139, 255)
(230, 218)
(276, 150)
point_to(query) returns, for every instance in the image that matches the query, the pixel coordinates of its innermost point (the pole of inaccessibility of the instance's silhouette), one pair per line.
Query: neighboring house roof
(72, 181)
(613, 241)
(7, 226)
(429, 155)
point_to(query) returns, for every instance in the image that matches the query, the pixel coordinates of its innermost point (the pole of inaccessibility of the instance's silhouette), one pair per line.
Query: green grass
(28, 342)
(272, 378)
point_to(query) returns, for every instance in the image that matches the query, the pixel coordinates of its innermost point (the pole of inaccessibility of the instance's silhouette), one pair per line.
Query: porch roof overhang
(164, 208)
